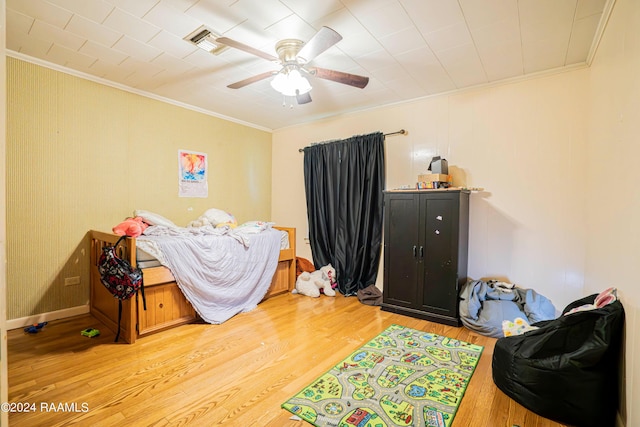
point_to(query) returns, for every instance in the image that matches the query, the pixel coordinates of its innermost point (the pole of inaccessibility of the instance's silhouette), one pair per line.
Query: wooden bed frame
(166, 305)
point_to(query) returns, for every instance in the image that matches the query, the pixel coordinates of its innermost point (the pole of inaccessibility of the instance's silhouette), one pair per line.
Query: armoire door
(401, 250)
(439, 220)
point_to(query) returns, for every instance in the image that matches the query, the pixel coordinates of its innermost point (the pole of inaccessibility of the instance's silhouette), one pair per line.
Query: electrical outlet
(70, 281)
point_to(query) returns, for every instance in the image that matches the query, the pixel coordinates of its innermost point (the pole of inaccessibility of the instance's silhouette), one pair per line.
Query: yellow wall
(613, 198)
(81, 156)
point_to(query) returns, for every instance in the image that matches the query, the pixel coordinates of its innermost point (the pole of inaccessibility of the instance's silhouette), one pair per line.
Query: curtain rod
(399, 132)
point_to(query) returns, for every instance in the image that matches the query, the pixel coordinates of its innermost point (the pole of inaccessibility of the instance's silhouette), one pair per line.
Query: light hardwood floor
(234, 374)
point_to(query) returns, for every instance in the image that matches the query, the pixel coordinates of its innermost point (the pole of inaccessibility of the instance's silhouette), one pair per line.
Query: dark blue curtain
(344, 181)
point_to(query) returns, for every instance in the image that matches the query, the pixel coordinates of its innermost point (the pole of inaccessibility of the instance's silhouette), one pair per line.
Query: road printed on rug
(402, 377)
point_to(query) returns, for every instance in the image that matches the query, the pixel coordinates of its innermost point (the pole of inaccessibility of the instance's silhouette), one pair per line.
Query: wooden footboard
(166, 305)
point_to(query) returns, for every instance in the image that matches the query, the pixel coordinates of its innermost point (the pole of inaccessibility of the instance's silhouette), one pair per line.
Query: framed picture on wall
(192, 174)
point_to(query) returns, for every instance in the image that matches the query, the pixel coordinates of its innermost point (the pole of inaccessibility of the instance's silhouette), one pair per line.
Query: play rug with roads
(402, 377)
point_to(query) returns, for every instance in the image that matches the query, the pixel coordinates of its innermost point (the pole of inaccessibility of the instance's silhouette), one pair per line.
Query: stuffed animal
(310, 284)
(215, 218)
(132, 227)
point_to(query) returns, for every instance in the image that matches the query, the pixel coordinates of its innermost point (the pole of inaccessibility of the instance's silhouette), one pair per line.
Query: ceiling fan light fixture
(290, 83)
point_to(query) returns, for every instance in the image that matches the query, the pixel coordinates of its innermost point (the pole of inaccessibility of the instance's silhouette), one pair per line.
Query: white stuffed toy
(309, 284)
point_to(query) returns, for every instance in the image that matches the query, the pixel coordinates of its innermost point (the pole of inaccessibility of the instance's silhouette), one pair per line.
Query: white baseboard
(47, 317)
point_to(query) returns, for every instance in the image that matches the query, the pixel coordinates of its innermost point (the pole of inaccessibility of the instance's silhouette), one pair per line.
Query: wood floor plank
(234, 374)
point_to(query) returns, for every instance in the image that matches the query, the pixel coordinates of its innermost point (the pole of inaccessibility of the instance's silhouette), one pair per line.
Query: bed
(167, 306)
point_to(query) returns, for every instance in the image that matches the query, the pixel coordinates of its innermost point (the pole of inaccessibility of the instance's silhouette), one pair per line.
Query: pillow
(218, 217)
(152, 218)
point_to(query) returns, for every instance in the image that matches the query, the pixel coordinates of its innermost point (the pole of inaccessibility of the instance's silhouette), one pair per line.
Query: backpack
(120, 277)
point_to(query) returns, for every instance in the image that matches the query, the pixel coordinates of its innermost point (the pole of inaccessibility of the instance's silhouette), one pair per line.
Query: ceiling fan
(294, 56)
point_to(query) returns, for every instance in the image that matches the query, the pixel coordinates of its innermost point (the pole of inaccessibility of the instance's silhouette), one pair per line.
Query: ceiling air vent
(205, 39)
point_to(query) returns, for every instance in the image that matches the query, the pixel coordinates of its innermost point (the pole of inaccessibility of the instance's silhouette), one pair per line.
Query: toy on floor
(35, 328)
(90, 332)
(311, 284)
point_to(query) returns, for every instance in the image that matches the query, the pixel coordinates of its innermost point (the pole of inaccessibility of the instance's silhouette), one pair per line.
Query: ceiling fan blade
(305, 98)
(241, 46)
(248, 81)
(321, 41)
(340, 77)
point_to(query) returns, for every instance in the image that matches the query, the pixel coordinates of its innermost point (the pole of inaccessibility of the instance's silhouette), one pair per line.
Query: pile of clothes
(485, 306)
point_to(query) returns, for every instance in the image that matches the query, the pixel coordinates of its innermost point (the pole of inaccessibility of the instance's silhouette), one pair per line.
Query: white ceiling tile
(403, 41)
(406, 88)
(312, 11)
(502, 60)
(184, 5)
(18, 26)
(41, 10)
(92, 70)
(375, 60)
(391, 72)
(106, 54)
(148, 69)
(91, 30)
(135, 7)
(291, 27)
(159, 80)
(200, 58)
(581, 39)
(588, 8)
(136, 49)
(497, 32)
(131, 25)
(34, 47)
(256, 38)
(431, 15)
(555, 33)
(45, 31)
(172, 44)
(359, 7)
(542, 55)
(463, 65)
(100, 68)
(95, 10)
(260, 13)
(427, 70)
(219, 18)
(449, 37)
(164, 15)
(548, 13)
(344, 22)
(62, 55)
(335, 59)
(482, 13)
(172, 64)
(386, 20)
(359, 45)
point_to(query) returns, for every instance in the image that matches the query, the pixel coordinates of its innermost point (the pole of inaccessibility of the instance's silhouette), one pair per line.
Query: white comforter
(222, 273)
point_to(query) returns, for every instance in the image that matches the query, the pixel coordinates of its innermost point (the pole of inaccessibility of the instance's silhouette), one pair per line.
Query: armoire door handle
(414, 251)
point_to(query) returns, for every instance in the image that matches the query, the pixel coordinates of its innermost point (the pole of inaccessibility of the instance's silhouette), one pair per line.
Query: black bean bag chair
(568, 369)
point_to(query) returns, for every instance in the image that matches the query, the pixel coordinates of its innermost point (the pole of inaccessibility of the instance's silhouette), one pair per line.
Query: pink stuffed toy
(132, 227)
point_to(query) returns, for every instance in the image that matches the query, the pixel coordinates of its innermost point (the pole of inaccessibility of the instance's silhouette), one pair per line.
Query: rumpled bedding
(484, 305)
(220, 272)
